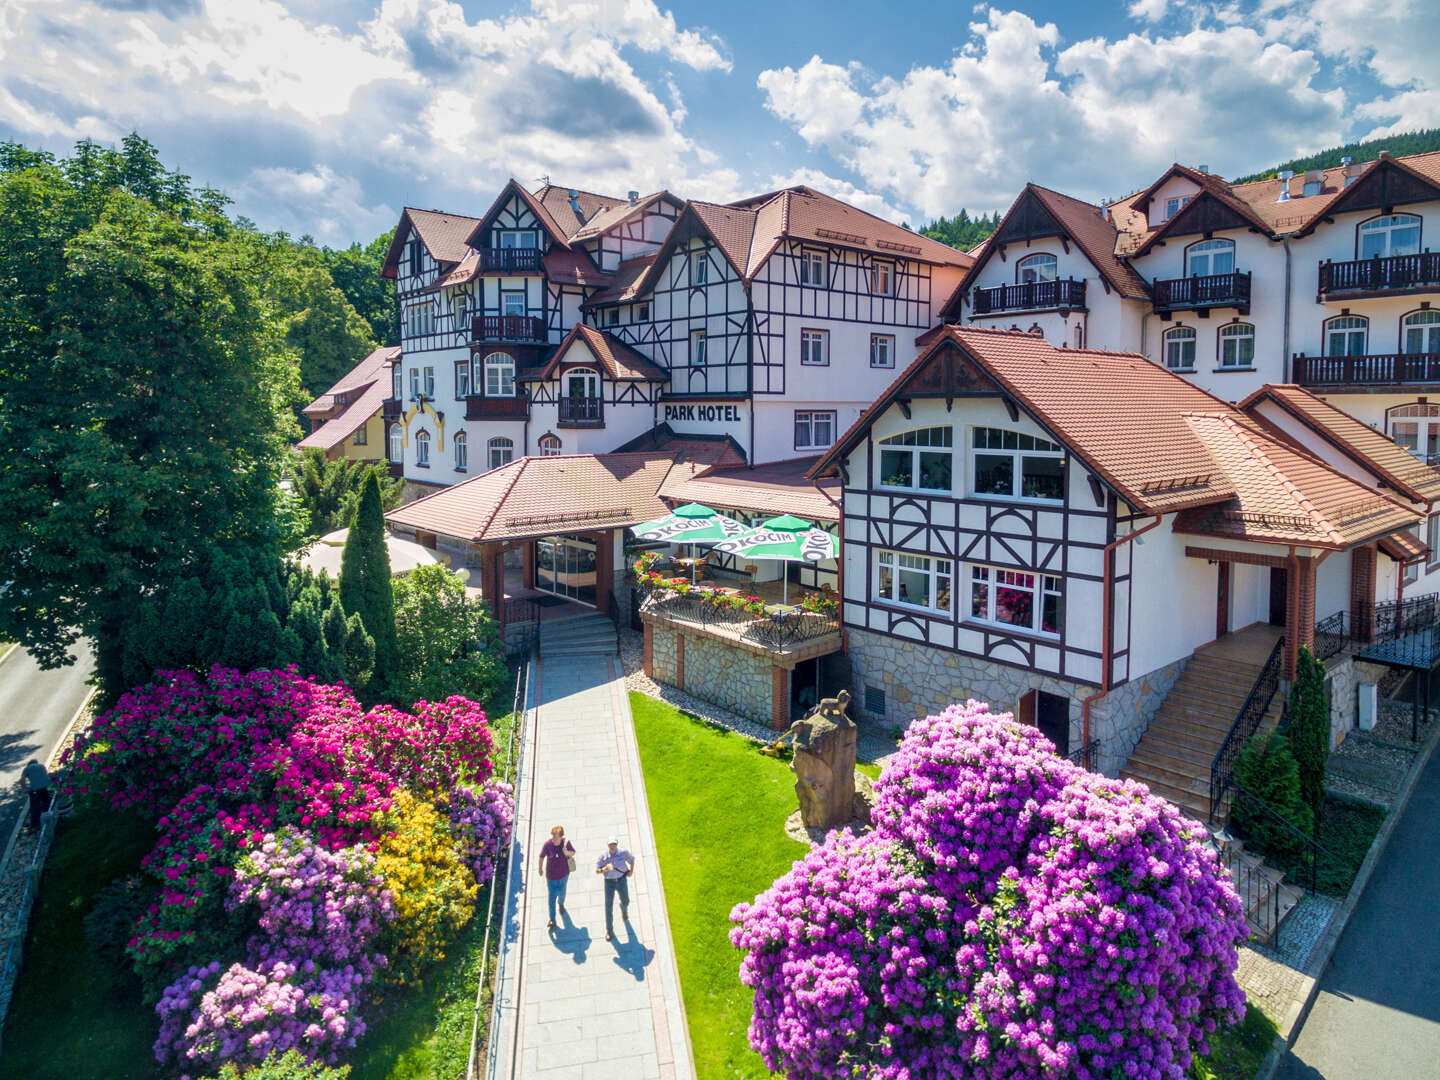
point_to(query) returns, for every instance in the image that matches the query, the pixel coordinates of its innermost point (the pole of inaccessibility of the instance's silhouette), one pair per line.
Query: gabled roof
(556, 200)
(1404, 472)
(574, 267)
(781, 487)
(366, 386)
(1054, 213)
(1214, 208)
(445, 236)
(542, 214)
(1416, 176)
(616, 215)
(540, 496)
(1161, 443)
(375, 366)
(628, 279)
(703, 450)
(620, 362)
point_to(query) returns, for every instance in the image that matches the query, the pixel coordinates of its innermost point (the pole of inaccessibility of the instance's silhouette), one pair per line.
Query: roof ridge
(1247, 439)
(524, 459)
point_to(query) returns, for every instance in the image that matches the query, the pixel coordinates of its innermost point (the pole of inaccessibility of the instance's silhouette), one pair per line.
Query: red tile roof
(367, 385)
(574, 268)
(1404, 547)
(629, 276)
(556, 200)
(620, 361)
(1406, 473)
(375, 366)
(781, 487)
(624, 211)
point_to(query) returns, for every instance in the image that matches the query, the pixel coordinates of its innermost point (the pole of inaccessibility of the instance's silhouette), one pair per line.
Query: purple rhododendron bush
(1010, 915)
(297, 834)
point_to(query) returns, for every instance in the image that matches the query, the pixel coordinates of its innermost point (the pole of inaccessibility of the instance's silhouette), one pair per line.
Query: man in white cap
(617, 865)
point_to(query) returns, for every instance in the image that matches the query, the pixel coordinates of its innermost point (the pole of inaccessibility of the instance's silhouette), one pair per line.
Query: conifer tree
(365, 588)
(1308, 729)
(1267, 774)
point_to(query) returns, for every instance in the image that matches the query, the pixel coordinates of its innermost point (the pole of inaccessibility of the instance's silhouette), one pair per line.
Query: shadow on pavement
(631, 955)
(570, 939)
(18, 747)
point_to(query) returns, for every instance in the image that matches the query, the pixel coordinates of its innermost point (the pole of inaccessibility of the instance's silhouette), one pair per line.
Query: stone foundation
(732, 678)
(919, 680)
(1345, 674)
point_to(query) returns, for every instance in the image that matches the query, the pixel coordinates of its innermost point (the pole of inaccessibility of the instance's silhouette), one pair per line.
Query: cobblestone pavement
(591, 1009)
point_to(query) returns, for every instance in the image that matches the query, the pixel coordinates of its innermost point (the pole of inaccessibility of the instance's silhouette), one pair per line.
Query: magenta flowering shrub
(1011, 915)
(481, 820)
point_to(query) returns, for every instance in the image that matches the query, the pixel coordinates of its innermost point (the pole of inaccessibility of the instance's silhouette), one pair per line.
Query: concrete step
(1181, 777)
(1181, 745)
(1193, 803)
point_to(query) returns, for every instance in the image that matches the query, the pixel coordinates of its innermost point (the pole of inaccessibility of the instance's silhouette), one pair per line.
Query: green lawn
(719, 808)
(1347, 829)
(1236, 1052)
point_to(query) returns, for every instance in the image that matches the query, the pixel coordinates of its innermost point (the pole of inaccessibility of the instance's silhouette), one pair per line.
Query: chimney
(575, 206)
(1346, 161)
(1285, 175)
(1104, 209)
(634, 197)
(1384, 153)
(1205, 169)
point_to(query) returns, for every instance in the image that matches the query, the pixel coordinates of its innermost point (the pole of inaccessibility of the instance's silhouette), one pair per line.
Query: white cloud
(1149, 10)
(841, 189)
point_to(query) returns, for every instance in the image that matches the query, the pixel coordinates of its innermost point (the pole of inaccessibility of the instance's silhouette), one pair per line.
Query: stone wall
(726, 675)
(919, 680)
(1345, 674)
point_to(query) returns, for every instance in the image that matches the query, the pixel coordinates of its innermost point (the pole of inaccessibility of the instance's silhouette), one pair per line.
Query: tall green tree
(448, 642)
(1270, 778)
(146, 391)
(1307, 720)
(356, 272)
(329, 491)
(315, 316)
(365, 586)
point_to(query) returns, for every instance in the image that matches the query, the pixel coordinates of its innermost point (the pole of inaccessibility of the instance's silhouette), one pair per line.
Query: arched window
(1180, 349)
(397, 443)
(1035, 268)
(549, 446)
(1417, 429)
(1210, 257)
(422, 449)
(462, 452)
(920, 458)
(1237, 345)
(1394, 234)
(582, 383)
(1420, 332)
(499, 375)
(502, 450)
(1346, 335)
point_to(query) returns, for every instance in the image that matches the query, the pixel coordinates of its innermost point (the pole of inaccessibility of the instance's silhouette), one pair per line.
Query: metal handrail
(1247, 720)
(1084, 756)
(1314, 849)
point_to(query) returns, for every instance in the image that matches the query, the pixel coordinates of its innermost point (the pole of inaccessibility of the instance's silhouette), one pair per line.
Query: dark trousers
(619, 885)
(39, 803)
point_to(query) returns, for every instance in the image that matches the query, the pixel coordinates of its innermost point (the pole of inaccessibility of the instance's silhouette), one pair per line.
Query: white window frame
(499, 375)
(813, 422)
(882, 350)
(1350, 328)
(699, 349)
(1175, 204)
(1031, 447)
(882, 278)
(815, 348)
(1173, 344)
(588, 376)
(461, 305)
(397, 443)
(699, 268)
(1031, 264)
(1426, 322)
(1387, 226)
(499, 451)
(1423, 422)
(414, 383)
(508, 297)
(917, 451)
(422, 449)
(939, 575)
(1201, 257)
(1232, 336)
(814, 268)
(550, 446)
(994, 578)
(462, 452)
(462, 379)
(429, 381)
(397, 383)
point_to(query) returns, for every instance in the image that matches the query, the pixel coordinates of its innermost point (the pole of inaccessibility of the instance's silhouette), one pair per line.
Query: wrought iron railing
(1330, 636)
(1409, 616)
(1376, 274)
(1247, 721)
(522, 625)
(1030, 296)
(1085, 756)
(775, 630)
(1213, 290)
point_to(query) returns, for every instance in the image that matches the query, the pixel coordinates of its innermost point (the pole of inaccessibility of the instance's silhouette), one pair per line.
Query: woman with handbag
(557, 859)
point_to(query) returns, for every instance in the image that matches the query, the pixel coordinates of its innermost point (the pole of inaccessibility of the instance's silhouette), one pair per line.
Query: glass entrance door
(565, 566)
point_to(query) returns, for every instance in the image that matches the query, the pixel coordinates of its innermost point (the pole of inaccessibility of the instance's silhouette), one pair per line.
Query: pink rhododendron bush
(1011, 915)
(296, 834)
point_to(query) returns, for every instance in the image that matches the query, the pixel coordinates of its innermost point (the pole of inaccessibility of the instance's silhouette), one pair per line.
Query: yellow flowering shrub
(434, 891)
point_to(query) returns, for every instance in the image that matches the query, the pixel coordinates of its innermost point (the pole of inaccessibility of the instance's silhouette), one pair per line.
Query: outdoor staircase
(1175, 754)
(1261, 888)
(581, 635)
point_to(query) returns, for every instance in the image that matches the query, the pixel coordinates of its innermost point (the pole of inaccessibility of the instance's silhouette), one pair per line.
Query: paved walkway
(1378, 1010)
(35, 708)
(588, 1009)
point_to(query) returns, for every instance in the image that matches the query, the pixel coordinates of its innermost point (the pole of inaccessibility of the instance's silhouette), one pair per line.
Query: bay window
(917, 580)
(920, 458)
(1015, 598)
(1012, 465)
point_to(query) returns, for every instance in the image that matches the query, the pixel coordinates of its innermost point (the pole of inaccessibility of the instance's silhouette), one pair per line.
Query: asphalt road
(35, 707)
(1378, 1010)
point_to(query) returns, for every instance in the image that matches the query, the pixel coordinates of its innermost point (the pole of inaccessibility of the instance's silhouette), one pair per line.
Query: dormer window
(1035, 268)
(812, 269)
(1210, 257)
(1394, 234)
(1174, 205)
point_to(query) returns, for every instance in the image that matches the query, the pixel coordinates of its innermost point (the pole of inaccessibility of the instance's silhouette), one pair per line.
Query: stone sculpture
(824, 763)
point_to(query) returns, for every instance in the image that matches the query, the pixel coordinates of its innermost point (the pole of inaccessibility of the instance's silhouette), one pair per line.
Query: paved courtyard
(589, 1009)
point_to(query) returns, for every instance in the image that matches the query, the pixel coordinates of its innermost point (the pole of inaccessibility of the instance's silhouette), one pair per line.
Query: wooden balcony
(1398, 275)
(582, 412)
(391, 408)
(497, 328)
(509, 260)
(1361, 372)
(479, 407)
(1066, 295)
(1203, 293)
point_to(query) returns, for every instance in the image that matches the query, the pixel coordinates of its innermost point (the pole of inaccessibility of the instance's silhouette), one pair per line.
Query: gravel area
(1393, 723)
(1302, 930)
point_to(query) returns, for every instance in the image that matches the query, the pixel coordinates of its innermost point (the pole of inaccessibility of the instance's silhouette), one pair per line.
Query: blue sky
(326, 117)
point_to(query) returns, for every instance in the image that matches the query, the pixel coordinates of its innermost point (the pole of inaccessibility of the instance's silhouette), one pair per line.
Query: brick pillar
(649, 651)
(1299, 613)
(1362, 593)
(779, 698)
(680, 660)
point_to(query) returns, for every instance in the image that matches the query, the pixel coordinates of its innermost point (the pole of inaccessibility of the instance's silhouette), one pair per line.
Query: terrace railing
(1397, 273)
(1067, 294)
(1193, 293)
(775, 630)
(1380, 369)
(1085, 756)
(1247, 722)
(507, 328)
(510, 260)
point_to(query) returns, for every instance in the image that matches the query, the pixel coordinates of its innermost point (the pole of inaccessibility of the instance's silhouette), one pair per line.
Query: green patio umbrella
(784, 539)
(690, 524)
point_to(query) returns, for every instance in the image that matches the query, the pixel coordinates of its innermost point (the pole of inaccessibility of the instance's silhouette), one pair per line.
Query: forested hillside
(1415, 142)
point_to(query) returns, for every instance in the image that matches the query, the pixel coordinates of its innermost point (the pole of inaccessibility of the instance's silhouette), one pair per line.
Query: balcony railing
(1068, 294)
(1384, 369)
(509, 260)
(582, 412)
(1395, 274)
(479, 407)
(1196, 293)
(507, 328)
(391, 408)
